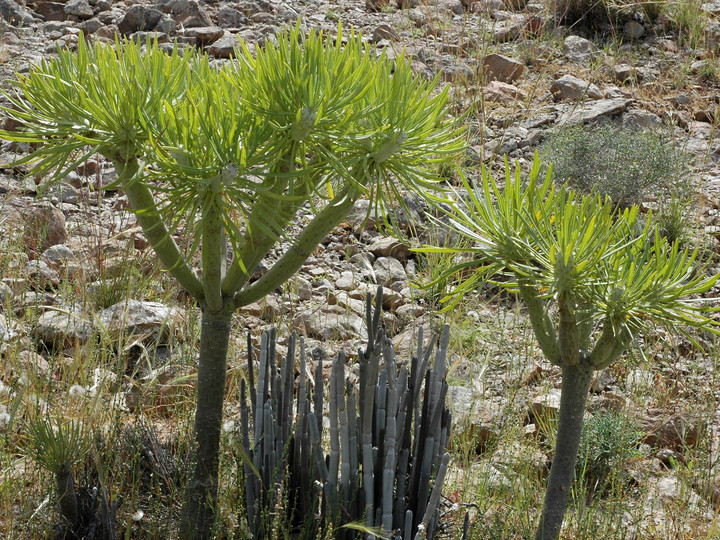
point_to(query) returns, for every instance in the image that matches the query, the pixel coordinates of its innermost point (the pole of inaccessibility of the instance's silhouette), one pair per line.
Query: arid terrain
(624, 101)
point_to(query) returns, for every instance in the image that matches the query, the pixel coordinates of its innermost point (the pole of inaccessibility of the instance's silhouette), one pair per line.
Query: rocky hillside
(520, 72)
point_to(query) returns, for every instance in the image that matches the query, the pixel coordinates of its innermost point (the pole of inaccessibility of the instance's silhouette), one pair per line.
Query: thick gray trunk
(201, 492)
(67, 498)
(575, 386)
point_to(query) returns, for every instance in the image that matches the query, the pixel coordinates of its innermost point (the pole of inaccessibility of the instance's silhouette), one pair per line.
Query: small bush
(609, 440)
(690, 23)
(596, 16)
(590, 15)
(628, 166)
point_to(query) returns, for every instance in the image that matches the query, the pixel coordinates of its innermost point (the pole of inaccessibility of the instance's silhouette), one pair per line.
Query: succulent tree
(229, 156)
(59, 449)
(592, 280)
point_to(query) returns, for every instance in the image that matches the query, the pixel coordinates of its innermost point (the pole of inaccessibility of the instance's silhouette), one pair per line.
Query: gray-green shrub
(629, 166)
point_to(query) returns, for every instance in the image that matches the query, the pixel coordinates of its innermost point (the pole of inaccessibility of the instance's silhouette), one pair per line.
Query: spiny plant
(230, 156)
(591, 283)
(387, 461)
(59, 449)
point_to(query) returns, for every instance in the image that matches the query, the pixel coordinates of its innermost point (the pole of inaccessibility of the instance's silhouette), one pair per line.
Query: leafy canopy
(553, 245)
(304, 119)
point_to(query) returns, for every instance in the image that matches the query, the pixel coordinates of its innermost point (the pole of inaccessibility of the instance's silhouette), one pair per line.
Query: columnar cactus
(386, 446)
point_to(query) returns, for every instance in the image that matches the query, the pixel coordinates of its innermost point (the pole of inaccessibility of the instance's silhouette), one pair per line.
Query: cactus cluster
(387, 440)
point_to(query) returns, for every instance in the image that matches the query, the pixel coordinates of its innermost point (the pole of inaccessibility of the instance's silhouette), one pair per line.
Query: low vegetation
(584, 286)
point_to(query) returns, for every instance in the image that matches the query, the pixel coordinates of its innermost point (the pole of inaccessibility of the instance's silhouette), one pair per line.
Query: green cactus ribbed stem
(568, 331)
(541, 323)
(257, 241)
(434, 498)
(250, 495)
(344, 430)
(67, 497)
(143, 204)
(214, 256)
(334, 465)
(302, 248)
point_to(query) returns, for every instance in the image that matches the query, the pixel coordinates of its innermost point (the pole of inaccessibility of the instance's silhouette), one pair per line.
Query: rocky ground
(517, 76)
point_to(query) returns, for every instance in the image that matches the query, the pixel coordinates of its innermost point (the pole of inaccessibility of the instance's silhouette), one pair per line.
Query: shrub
(628, 166)
(590, 15)
(608, 440)
(591, 284)
(229, 157)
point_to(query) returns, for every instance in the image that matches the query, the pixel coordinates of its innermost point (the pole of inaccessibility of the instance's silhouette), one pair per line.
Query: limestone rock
(139, 18)
(345, 300)
(384, 31)
(673, 430)
(40, 276)
(545, 405)
(268, 308)
(594, 110)
(389, 247)
(6, 333)
(205, 34)
(388, 270)
(624, 73)
(33, 362)
(473, 421)
(50, 11)
(603, 380)
(14, 13)
(62, 330)
(303, 288)
(503, 92)
(405, 343)
(193, 16)
(330, 323)
(409, 312)
(79, 8)
(639, 119)
(712, 8)
(633, 30)
(172, 6)
(346, 281)
(146, 319)
(6, 293)
(502, 68)
(571, 87)
(58, 256)
(225, 46)
(578, 49)
(229, 17)
(44, 227)
(91, 26)
(166, 25)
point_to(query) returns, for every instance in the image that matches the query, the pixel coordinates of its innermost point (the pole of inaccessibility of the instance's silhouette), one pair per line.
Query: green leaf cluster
(57, 447)
(607, 278)
(231, 153)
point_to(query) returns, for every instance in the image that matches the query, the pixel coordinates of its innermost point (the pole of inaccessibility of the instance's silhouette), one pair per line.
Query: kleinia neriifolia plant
(591, 283)
(231, 156)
